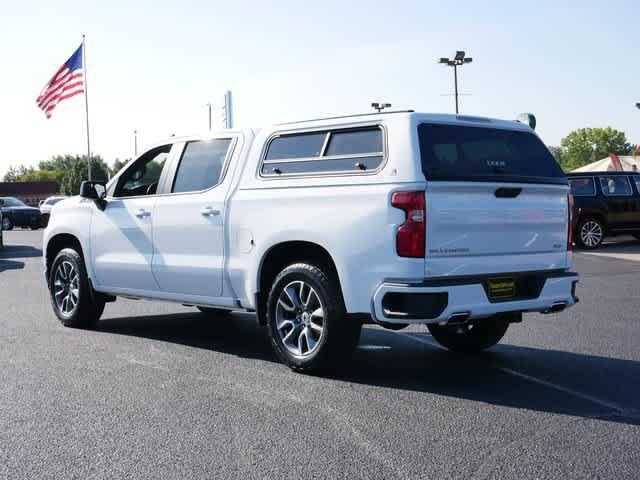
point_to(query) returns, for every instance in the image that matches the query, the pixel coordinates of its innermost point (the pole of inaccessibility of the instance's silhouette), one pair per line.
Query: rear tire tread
(341, 334)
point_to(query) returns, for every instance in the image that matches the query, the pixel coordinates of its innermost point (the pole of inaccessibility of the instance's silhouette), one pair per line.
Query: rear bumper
(444, 299)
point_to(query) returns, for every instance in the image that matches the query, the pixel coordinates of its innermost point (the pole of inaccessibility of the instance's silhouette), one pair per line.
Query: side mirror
(91, 190)
(95, 191)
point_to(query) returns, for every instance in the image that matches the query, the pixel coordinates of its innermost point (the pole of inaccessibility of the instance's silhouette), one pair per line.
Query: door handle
(209, 212)
(141, 213)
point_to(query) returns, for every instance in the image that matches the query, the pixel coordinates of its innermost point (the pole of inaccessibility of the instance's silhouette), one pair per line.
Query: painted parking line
(374, 347)
(584, 396)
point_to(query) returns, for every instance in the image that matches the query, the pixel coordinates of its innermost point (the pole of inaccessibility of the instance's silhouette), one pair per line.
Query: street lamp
(459, 60)
(380, 106)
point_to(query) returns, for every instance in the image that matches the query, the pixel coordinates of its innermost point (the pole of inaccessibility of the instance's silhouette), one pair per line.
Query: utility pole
(228, 110)
(209, 106)
(459, 60)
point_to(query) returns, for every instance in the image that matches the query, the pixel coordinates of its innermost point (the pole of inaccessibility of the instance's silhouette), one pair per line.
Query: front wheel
(306, 319)
(471, 337)
(70, 291)
(7, 224)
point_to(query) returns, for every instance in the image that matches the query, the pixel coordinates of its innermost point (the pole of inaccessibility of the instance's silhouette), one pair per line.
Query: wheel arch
(58, 242)
(282, 254)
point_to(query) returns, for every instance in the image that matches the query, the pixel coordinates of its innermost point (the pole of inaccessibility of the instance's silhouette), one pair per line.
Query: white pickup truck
(460, 223)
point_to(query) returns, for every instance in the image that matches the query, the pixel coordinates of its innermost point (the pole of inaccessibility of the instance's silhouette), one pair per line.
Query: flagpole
(86, 103)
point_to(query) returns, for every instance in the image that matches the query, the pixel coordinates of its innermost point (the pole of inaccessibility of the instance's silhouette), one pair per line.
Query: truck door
(620, 201)
(121, 240)
(188, 223)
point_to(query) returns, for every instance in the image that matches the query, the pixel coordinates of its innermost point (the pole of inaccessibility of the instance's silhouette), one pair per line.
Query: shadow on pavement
(19, 251)
(406, 364)
(10, 265)
(236, 335)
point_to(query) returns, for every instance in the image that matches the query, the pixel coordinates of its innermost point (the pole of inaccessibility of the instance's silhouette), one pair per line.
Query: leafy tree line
(587, 145)
(68, 170)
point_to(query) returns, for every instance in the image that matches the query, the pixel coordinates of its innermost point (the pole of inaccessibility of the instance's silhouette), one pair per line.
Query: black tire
(339, 335)
(7, 224)
(88, 309)
(214, 312)
(472, 337)
(587, 224)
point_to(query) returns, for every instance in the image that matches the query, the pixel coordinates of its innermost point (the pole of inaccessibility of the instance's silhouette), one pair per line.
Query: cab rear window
(458, 152)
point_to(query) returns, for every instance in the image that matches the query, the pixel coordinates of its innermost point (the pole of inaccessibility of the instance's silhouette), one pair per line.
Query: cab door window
(143, 176)
(202, 165)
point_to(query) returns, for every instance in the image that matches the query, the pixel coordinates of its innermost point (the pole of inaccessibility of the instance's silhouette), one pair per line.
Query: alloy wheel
(6, 223)
(66, 286)
(300, 318)
(591, 233)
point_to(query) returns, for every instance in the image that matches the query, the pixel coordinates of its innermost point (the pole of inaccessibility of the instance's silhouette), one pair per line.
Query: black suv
(605, 204)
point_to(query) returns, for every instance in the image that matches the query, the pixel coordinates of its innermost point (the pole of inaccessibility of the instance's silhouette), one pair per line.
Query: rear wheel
(72, 300)
(307, 321)
(590, 233)
(471, 337)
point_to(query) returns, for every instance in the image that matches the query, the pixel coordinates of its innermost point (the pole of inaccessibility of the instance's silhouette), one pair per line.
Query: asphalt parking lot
(161, 391)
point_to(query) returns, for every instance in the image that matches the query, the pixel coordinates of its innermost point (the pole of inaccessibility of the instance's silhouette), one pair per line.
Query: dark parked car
(16, 214)
(1, 238)
(605, 204)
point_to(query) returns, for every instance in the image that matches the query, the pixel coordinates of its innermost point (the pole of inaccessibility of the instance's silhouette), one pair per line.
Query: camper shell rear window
(469, 153)
(330, 151)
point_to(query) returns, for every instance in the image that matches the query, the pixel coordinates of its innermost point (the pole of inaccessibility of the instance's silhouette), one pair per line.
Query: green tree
(68, 170)
(75, 171)
(587, 145)
(117, 165)
(557, 153)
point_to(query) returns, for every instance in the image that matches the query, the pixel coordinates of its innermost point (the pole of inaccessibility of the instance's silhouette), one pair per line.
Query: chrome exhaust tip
(458, 318)
(556, 307)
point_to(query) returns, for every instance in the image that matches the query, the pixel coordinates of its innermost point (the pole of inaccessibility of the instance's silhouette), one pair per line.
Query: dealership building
(30, 193)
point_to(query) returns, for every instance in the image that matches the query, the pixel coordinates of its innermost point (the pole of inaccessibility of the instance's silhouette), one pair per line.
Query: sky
(153, 66)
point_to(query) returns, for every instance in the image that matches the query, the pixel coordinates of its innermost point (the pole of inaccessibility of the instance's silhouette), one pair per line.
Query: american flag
(67, 82)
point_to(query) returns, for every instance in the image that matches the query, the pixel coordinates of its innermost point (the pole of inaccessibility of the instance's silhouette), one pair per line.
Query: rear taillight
(570, 219)
(410, 236)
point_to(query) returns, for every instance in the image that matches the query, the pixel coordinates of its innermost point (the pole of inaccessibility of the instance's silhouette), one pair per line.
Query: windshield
(11, 202)
(458, 152)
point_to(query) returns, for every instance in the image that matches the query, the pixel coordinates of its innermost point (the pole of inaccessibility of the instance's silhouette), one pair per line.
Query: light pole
(135, 143)
(459, 60)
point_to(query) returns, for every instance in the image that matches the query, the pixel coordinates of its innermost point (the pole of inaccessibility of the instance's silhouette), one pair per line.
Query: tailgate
(475, 227)
(496, 200)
